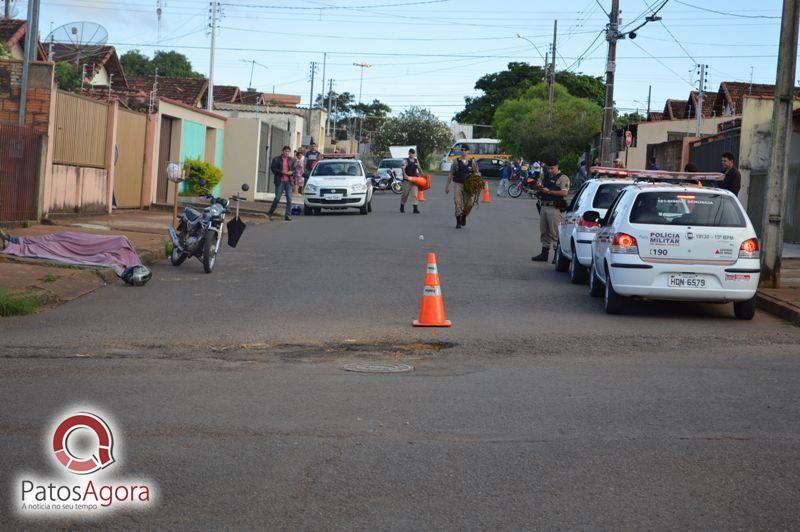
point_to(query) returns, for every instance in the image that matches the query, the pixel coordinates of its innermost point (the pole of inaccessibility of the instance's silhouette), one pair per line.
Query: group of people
(289, 174)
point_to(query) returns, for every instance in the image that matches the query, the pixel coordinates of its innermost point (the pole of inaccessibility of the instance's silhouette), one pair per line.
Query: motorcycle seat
(191, 214)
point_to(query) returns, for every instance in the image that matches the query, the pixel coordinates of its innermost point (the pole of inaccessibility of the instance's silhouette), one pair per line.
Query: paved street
(535, 410)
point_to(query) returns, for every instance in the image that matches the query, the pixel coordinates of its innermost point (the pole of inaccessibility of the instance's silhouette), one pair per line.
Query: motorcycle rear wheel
(209, 252)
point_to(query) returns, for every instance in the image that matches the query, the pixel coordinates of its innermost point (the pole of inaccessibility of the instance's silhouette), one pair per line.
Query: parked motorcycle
(522, 184)
(200, 234)
(387, 181)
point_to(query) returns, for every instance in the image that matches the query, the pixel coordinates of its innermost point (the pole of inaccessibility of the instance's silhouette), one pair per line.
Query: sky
(429, 53)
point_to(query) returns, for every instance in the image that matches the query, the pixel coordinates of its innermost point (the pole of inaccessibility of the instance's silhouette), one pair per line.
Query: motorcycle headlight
(216, 209)
(359, 187)
(311, 188)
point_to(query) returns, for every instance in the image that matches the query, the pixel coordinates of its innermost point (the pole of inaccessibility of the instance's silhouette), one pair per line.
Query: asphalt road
(535, 410)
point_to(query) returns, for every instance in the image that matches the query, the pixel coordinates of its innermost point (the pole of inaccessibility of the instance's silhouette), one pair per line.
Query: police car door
(605, 235)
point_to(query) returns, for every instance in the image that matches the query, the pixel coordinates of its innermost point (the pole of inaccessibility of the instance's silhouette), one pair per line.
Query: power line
(326, 7)
(726, 13)
(662, 63)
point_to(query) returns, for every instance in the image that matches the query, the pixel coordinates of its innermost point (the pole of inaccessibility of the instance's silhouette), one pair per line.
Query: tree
(4, 51)
(373, 115)
(529, 126)
(68, 76)
(135, 63)
(416, 126)
(513, 82)
(344, 111)
(170, 64)
(625, 120)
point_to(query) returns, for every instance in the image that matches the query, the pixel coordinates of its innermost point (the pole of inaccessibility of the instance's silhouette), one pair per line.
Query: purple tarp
(85, 249)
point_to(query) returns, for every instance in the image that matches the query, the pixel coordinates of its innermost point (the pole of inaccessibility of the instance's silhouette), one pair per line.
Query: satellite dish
(77, 40)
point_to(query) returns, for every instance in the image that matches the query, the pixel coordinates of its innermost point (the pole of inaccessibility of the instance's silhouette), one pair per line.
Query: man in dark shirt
(733, 179)
(283, 167)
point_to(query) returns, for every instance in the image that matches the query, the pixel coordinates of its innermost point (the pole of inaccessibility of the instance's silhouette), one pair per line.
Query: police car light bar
(657, 175)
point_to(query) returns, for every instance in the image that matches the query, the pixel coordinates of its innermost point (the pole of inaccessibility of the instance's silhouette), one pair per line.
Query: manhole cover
(372, 367)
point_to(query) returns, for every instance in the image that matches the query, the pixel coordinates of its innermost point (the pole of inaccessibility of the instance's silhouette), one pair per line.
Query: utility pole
(778, 173)
(649, 94)
(701, 87)
(612, 35)
(324, 66)
(362, 66)
(328, 118)
(8, 9)
(30, 51)
(552, 78)
(210, 99)
(312, 70)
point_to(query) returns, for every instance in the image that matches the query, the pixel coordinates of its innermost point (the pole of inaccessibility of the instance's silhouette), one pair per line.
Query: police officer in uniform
(460, 170)
(553, 191)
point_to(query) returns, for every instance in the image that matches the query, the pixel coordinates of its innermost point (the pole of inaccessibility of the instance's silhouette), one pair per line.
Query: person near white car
(661, 241)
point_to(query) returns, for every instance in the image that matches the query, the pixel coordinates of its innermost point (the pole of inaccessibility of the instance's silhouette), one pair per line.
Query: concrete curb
(783, 309)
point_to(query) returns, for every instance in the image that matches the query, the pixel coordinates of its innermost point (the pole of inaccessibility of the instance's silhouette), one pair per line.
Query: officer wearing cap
(553, 191)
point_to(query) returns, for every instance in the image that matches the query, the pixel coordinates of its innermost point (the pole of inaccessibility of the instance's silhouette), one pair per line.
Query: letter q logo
(100, 458)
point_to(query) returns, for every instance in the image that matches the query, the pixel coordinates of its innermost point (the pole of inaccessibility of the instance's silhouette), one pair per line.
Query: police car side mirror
(591, 217)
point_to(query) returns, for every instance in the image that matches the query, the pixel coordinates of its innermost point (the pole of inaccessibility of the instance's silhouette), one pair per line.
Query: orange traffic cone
(431, 310)
(487, 197)
(420, 195)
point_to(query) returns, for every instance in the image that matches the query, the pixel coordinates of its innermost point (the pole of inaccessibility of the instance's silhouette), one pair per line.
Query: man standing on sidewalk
(733, 179)
(552, 193)
(283, 167)
(410, 169)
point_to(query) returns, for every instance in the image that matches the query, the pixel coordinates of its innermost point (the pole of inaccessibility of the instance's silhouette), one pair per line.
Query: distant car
(490, 167)
(574, 248)
(674, 242)
(337, 184)
(390, 164)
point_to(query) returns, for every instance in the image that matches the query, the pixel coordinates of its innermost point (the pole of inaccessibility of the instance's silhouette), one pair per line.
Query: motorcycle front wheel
(515, 190)
(397, 187)
(209, 252)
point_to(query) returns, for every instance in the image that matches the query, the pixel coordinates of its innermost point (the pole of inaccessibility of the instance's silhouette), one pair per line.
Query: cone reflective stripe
(431, 311)
(487, 198)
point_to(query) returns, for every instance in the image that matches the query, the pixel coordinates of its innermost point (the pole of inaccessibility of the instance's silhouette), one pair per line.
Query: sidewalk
(784, 302)
(50, 283)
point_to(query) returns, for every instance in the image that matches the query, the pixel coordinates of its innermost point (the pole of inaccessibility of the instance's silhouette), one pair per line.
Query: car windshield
(606, 193)
(391, 163)
(337, 168)
(686, 208)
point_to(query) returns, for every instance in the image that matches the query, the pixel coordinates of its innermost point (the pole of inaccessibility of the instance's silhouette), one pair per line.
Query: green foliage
(344, 110)
(197, 171)
(516, 80)
(530, 127)
(416, 126)
(625, 120)
(170, 64)
(18, 304)
(4, 50)
(568, 164)
(167, 247)
(374, 115)
(68, 76)
(50, 278)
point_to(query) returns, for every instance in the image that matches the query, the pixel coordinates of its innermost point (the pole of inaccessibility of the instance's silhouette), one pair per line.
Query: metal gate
(273, 139)
(131, 131)
(19, 172)
(706, 153)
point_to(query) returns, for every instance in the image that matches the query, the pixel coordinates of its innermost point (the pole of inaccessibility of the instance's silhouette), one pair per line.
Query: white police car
(675, 242)
(575, 235)
(337, 184)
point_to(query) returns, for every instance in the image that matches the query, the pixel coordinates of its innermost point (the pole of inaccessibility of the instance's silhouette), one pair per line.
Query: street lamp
(521, 36)
(362, 66)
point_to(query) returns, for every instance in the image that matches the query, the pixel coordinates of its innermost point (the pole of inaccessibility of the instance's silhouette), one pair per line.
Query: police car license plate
(682, 280)
(333, 196)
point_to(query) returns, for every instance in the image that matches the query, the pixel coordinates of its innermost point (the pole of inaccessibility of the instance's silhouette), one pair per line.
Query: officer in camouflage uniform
(553, 191)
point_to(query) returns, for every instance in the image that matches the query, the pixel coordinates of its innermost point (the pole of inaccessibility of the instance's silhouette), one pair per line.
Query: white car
(675, 242)
(575, 235)
(337, 184)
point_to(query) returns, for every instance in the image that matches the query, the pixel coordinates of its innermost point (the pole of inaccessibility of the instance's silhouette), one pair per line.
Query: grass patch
(18, 304)
(50, 278)
(167, 247)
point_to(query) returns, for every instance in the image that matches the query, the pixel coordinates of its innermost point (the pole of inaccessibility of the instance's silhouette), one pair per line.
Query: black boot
(464, 220)
(402, 208)
(416, 209)
(458, 222)
(542, 257)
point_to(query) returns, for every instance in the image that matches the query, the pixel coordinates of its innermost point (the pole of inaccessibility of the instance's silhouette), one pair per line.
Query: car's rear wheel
(614, 303)
(562, 263)
(364, 209)
(595, 284)
(307, 211)
(369, 205)
(317, 210)
(745, 310)
(577, 272)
